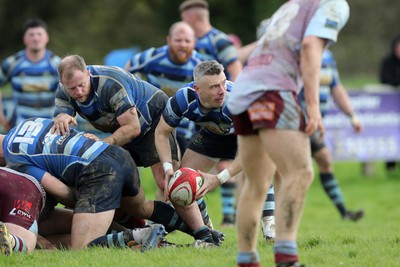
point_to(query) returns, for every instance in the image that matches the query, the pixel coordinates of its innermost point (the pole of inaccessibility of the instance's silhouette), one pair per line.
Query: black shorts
(214, 145)
(145, 154)
(143, 149)
(112, 175)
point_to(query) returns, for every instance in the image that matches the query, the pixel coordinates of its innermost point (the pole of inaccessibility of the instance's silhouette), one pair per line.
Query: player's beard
(180, 55)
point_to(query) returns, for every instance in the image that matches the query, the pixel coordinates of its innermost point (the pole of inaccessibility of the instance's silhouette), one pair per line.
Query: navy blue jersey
(185, 104)
(31, 148)
(158, 69)
(33, 83)
(113, 91)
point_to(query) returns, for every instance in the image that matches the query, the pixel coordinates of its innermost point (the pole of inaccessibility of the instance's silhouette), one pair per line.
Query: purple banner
(379, 113)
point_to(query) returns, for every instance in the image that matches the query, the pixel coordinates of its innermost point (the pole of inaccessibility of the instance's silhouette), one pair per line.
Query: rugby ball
(183, 186)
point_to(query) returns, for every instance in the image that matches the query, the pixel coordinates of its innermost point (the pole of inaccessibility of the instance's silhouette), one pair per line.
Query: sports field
(324, 239)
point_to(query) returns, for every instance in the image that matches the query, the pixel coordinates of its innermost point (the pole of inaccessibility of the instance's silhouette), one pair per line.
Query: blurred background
(92, 28)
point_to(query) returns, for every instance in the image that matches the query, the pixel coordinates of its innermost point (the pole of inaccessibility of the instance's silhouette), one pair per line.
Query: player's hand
(62, 122)
(356, 123)
(167, 176)
(91, 136)
(210, 183)
(314, 121)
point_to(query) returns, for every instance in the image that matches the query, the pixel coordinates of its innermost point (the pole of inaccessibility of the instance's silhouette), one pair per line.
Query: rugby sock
(228, 190)
(119, 239)
(167, 216)
(19, 245)
(269, 204)
(203, 210)
(248, 259)
(332, 188)
(285, 251)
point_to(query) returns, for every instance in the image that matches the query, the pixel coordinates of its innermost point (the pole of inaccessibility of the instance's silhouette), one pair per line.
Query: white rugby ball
(183, 186)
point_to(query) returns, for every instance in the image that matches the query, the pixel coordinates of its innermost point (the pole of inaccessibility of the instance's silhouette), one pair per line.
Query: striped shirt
(33, 83)
(156, 66)
(186, 104)
(31, 148)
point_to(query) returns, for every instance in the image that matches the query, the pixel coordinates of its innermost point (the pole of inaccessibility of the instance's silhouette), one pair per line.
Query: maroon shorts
(273, 110)
(21, 199)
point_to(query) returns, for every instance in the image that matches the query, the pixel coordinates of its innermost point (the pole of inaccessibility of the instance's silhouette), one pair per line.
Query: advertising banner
(379, 113)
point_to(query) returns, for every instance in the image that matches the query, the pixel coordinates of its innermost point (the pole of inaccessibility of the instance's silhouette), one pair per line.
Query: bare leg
(258, 169)
(88, 226)
(28, 237)
(293, 162)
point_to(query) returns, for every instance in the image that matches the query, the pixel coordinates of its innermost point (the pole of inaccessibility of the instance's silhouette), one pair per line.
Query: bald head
(181, 27)
(181, 40)
(68, 64)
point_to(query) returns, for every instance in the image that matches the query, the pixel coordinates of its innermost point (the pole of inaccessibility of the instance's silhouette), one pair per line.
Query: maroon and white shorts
(273, 110)
(21, 199)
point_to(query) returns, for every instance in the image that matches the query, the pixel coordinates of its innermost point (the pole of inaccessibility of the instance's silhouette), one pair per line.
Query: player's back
(31, 146)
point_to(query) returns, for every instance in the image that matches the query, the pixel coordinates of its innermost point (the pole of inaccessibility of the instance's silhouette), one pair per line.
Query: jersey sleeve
(62, 103)
(140, 60)
(34, 171)
(328, 20)
(175, 108)
(4, 76)
(226, 50)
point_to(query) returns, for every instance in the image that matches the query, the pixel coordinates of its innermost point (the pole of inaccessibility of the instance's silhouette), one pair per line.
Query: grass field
(324, 239)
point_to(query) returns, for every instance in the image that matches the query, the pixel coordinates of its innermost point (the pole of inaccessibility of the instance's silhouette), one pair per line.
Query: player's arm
(162, 133)
(233, 69)
(310, 65)
(211, 181)
(342, 99)
(128, 130)
(64, 113)
(3, 120)
(60, 191)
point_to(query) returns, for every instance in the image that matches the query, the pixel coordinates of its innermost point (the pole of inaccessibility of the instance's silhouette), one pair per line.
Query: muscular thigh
(288, 149)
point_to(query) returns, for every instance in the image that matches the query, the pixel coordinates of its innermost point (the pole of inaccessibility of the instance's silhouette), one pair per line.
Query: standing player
(273, 134)
(33, 76)
(330, 85)
(214, 44)
(170, 67)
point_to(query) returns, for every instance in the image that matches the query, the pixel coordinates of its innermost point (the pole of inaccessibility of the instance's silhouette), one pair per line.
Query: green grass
(324, 238)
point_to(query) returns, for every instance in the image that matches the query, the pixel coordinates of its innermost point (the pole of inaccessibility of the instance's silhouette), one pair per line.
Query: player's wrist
(223, 176)
(167, 166)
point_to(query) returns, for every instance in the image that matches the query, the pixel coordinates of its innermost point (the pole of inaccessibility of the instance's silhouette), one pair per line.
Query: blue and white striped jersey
(113, 91)
(217, 45)
(186, 104)
(34, 84)
(329, 79)
(31, 148)
(158, 69)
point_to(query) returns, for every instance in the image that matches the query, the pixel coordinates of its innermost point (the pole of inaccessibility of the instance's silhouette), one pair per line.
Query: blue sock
(269, 204)
(248, 257)
(228, 202)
